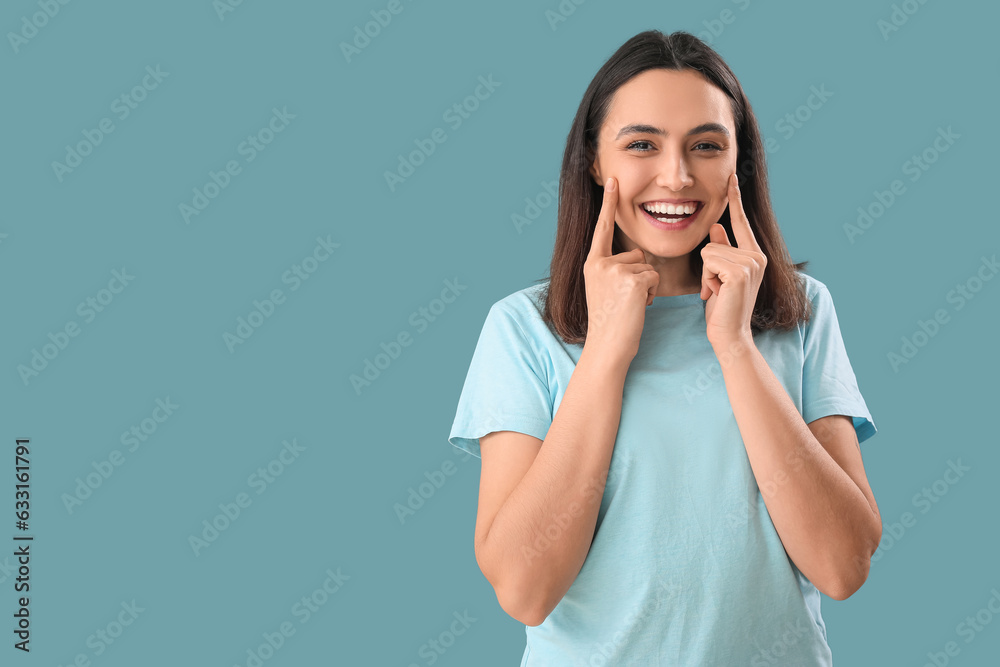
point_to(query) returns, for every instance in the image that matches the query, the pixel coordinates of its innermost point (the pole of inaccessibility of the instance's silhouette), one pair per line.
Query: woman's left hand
(731, 276)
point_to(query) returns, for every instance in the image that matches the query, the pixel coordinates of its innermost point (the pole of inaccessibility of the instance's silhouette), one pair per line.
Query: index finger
(605, 230)
(741, 224)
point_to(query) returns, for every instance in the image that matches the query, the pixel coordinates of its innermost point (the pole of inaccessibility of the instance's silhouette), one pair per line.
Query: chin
(669, 250)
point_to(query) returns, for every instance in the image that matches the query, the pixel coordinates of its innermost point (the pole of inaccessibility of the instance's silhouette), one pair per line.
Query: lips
(672, 209)
(680, 222)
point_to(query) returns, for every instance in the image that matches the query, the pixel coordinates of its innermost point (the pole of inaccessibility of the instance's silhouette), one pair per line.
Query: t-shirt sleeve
(506, 388)
(829, 386)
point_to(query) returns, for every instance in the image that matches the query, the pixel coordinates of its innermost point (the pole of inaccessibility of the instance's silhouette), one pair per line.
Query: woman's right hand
(619, 287)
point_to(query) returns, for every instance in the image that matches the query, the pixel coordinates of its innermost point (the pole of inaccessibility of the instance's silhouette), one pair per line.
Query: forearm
(540, 537)
(824, 520)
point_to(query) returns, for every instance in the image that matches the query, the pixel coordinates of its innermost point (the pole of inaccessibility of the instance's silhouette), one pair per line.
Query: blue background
(322, 176)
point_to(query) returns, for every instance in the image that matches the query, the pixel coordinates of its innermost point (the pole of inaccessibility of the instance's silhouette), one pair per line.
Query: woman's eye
(635, 143)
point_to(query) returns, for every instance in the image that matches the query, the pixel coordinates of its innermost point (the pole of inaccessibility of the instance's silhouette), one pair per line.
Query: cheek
(632, 180)
(715, 177)
(721, 177)
(724, 188)
(720, 184)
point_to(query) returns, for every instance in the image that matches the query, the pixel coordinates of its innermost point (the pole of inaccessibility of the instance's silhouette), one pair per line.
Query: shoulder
(524, 306)
(519, 319)
(823, 321)
(515, 329)
(818, 296)
(814, 288)
(820, 309)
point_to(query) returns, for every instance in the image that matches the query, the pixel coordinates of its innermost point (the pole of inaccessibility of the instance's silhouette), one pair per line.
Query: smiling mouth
(672, 213)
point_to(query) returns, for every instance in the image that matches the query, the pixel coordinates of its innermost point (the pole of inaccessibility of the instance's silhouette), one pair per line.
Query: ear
(595, 172)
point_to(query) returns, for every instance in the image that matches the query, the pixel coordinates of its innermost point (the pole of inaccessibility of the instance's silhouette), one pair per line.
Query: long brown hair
(781, 301)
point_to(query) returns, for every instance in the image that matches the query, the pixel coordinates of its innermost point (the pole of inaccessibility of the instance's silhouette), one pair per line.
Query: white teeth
(672, 209)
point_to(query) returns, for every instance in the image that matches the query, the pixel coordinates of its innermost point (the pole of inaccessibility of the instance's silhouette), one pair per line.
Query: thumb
(717, 234)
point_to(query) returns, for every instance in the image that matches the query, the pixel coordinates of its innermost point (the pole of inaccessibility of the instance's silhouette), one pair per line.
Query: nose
(672, 171)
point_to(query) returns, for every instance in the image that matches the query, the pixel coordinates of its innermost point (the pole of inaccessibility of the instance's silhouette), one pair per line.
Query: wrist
(604, 361)
(730, 348)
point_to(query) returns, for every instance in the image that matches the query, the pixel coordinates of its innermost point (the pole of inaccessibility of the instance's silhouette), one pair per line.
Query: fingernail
(610, 184)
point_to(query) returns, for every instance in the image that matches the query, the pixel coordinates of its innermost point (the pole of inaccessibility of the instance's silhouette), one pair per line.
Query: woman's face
(669, 134)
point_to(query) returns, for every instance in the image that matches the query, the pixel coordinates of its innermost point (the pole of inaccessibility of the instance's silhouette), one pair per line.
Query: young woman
(669, 426)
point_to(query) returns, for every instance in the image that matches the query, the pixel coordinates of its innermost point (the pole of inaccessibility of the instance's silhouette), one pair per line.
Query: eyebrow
(639, 128)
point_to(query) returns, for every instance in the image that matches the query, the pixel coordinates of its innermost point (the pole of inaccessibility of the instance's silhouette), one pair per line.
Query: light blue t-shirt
(686, 567)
